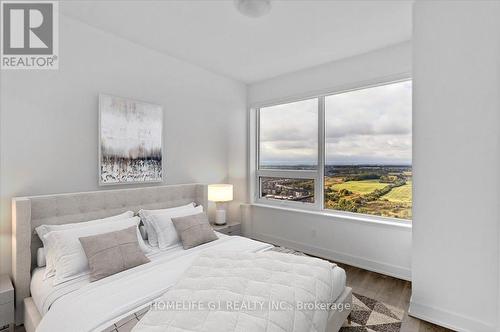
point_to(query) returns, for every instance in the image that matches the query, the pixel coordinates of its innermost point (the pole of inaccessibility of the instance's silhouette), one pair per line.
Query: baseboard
(370, 265)
(447, 319)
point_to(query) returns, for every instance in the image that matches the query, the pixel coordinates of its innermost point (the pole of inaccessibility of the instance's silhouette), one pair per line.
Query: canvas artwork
(130, 141)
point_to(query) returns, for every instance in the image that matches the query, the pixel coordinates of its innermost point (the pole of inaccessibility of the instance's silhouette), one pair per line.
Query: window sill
(343, 217)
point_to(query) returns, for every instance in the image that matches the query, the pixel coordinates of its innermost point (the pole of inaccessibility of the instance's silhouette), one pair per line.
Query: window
(348, 152)
(368, 151)
(288, 151)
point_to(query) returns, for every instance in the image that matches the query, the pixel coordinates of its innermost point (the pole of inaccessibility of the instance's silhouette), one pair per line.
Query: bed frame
(31, 212)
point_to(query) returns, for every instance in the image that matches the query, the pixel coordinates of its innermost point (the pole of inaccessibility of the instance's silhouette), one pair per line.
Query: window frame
(317, 175)
(294, 174)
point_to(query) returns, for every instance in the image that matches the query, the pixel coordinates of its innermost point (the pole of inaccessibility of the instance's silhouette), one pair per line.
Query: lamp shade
(220, 192)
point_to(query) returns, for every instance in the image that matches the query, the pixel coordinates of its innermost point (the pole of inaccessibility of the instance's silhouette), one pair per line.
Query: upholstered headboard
(30, 212)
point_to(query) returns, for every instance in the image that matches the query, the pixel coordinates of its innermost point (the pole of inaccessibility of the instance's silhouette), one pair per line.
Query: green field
(400, 194)
(388, 196)
(360, 187)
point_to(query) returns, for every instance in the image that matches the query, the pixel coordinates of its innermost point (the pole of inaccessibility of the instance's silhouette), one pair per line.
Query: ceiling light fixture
(253, 8)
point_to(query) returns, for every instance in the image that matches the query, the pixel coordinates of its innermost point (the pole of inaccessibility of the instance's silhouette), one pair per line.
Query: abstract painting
(130, 141)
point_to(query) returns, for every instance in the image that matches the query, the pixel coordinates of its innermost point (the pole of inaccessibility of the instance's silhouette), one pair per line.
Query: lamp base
(220, 214)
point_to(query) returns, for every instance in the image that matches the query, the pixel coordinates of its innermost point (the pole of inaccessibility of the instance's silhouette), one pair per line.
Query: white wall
(377, 247)
(456, 81)
(381, 248)
(366, 68)
(48, 131)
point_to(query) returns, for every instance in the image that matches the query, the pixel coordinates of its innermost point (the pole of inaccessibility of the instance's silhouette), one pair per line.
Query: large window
(348, 152)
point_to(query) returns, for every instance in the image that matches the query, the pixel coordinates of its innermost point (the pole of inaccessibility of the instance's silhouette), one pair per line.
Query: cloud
(292, 145)
(289, 132)
(383, 110)
(381, 149)
(364, 126)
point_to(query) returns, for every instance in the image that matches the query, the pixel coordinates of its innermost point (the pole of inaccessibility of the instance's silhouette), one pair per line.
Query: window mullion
(256, 192)
(293, 174)
(321, 154)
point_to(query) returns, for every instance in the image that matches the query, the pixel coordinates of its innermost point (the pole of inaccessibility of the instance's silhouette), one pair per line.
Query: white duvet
(97, 305)
(246, 292)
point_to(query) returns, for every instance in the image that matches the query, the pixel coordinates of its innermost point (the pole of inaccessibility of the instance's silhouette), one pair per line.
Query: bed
(83, 304)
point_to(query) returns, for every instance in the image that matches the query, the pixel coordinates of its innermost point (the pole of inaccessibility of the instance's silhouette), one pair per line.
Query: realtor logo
(29, 37)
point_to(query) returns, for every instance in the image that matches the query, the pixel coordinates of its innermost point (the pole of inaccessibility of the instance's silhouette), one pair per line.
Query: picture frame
(130, 149)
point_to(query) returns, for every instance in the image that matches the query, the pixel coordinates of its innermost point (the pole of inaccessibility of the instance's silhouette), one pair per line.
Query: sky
(367, 126)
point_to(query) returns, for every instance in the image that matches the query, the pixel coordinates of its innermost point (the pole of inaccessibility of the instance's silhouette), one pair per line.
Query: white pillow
(164, 228)
(40, 257)
(45, 229)
(69, 257)
(151, 233)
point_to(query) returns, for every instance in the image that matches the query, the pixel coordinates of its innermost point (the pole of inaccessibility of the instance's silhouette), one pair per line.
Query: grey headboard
(30, 212)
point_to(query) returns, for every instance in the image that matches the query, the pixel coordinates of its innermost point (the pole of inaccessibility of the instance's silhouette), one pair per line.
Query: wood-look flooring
(393, 291)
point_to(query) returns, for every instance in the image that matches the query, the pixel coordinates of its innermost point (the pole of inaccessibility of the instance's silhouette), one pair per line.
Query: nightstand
(230, 228)
(6, 303)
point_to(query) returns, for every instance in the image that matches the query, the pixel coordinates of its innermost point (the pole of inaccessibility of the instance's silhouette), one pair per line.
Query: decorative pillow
(69, 257)
(194, 230)
(113, 252)
(151, 233)
(162, 223)
(43, 230)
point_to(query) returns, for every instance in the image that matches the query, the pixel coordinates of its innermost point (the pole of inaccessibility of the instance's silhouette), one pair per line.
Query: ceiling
(296, 34)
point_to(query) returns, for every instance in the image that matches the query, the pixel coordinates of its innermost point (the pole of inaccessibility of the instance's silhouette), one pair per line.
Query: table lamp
(220, 193)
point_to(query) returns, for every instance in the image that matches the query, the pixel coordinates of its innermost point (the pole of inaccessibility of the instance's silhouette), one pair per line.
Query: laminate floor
(393, 291)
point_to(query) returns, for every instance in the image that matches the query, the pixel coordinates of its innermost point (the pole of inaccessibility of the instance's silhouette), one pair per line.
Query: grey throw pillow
(112, 252)
(194, 230)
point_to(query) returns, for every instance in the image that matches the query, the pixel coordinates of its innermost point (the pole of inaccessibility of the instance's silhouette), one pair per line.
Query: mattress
(116, 296)
(42, 289)
(44, 293)
(39, 288)
(339, 282)
(338, 286)
(132, 289)
(247, 292)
